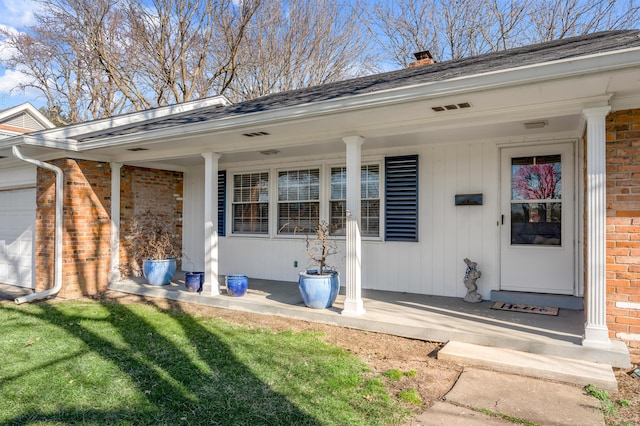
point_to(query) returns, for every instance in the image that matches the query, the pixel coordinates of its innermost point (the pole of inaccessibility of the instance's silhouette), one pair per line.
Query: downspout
(57, 254)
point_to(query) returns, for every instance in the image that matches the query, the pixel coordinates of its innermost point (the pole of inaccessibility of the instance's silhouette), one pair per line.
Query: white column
(353, 303)
(114, 270)
(211, 221)
(595, 330)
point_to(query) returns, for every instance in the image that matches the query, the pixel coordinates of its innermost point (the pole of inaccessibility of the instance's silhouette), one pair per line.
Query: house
(20, 119)
(526, 161)
(17, 199)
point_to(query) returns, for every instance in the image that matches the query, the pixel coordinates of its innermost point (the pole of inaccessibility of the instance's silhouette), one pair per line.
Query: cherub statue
(470, 277)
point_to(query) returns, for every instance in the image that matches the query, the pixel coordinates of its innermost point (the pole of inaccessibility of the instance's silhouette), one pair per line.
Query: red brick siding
(623, 228)
(87, 221)
(86, 227)
(143, 190)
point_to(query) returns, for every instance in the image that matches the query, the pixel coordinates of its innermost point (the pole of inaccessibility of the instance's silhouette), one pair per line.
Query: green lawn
(106, 363)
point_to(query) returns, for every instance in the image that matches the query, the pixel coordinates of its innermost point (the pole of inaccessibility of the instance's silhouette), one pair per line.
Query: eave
(562, 69)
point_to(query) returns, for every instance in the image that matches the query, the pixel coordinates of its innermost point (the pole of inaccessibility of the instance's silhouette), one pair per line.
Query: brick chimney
(422, 58)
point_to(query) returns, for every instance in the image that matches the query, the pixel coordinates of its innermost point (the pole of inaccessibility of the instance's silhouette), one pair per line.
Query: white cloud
(17, 13)
(5, 50)
(9, 81)
(16, 16)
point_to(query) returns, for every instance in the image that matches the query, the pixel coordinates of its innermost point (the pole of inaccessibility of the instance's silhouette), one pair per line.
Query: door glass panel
(536, 223)
(536, 200)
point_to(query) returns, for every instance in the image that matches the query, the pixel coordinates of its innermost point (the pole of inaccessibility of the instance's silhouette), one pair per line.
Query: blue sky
(16, 15)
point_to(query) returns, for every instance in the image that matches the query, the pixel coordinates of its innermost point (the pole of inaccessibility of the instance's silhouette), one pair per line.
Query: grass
(512, 419)
(394, 374)
(410, 396)
(608, 406)
(105, 363)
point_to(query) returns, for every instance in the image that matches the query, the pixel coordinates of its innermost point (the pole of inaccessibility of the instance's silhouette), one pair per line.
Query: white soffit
(566, 71)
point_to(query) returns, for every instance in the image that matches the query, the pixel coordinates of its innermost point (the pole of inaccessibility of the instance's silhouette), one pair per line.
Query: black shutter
(401, 198)
(222, 202)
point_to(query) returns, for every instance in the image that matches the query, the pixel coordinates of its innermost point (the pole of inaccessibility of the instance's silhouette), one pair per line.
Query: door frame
(578, 221)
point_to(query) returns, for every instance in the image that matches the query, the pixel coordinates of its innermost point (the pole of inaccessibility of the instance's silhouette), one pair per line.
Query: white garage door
(17, 229)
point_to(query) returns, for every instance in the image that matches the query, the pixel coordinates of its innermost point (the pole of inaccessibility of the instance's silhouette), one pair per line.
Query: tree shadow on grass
(201, 382)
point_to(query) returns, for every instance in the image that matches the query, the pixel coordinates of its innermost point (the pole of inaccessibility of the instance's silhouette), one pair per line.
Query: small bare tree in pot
(152, 242)
(319, 287)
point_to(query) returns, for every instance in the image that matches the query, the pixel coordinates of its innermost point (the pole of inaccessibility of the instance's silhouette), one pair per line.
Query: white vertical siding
(433, 265)
(448, 234)
(193, 220)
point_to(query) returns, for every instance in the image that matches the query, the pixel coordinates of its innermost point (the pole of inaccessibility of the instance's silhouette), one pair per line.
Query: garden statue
(470, 277)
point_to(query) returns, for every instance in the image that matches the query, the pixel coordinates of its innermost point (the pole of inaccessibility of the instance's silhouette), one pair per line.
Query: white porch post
(211, 221)
(114, 271)
(595, 330)
(353, 303)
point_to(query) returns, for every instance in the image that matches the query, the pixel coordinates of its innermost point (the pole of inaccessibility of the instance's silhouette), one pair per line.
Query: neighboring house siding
(24, 121)
(87, 227)
(143, 190)
(623, 228)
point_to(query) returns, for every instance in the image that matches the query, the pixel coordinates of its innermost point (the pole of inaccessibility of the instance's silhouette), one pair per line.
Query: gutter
(57, 257)
(502, 78)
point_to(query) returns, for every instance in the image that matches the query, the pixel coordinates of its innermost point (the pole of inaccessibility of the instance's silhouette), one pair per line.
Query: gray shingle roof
(506, 59)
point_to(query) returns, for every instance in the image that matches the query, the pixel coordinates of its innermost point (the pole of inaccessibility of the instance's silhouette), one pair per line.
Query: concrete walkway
(10, 292)
(482, 397)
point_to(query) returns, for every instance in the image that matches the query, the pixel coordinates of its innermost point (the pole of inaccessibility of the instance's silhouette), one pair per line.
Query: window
(536, 200)
(251, 203)
(298, 200)
(370, 200)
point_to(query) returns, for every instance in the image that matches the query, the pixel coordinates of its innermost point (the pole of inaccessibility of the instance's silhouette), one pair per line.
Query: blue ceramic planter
(159, 272)
(201, 275)
(319, 291)
(237, 285)
(192, 281)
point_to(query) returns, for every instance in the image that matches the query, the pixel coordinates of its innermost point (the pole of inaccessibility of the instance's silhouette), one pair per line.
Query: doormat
(520, 307)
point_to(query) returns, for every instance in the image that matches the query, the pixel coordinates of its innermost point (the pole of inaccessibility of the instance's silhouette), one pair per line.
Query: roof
(29, 118)
(528, 55)
(517, 58)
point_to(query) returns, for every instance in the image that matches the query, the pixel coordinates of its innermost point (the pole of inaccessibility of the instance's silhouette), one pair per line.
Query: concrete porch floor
(431, 318)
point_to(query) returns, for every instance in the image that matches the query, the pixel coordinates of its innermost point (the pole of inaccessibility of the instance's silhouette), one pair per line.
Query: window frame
(324, 167)
(380, 198)
(277, 202)
(232, 202)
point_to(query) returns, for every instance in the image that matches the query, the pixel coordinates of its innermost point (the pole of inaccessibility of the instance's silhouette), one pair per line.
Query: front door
(537, 223)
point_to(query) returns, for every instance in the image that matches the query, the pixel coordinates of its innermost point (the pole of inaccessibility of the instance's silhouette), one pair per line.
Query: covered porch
(416, 316)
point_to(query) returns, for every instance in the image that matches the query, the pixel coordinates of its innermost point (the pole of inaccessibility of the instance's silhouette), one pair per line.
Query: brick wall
(87, 220)
(145, 190)
(86, 232)
(623, 228)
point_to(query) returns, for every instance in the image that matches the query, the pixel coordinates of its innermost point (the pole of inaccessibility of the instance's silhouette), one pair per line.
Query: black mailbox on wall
(468, 199)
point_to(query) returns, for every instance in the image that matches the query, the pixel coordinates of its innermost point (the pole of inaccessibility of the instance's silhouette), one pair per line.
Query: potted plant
(319, 287)
(151, 241)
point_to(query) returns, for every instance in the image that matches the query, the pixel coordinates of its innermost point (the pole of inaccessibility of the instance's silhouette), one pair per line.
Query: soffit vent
(536, 124)
(255, 134)
(451, 107)
(137, 149)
